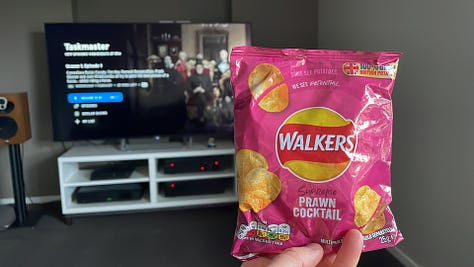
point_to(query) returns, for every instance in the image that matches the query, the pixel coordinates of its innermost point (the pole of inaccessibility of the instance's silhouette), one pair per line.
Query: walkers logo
(316, 144)
(388, 71)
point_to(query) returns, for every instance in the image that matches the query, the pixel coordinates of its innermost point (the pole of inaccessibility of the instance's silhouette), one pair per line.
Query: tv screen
(124, 80)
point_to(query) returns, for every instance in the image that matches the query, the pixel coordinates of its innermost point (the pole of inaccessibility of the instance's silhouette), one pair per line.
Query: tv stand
(77, 164)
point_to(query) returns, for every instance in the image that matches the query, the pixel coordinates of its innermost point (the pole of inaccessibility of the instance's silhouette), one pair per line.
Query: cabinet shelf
(228, 196)
(161, 177)
(76, 208)
(76, 165)
(82, 178)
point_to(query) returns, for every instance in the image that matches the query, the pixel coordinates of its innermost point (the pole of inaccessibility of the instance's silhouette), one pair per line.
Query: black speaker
(14, 118)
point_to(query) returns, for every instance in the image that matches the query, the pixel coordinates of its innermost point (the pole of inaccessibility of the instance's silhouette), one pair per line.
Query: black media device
(130, 80)
(195, 187)
(195, 164)
(112, 171)
(109, 193)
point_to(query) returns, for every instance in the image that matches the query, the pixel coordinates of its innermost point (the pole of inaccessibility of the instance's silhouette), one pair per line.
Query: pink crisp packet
(313, 140)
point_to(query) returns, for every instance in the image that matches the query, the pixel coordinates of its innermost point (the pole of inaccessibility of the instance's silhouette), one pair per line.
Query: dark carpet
(188, 237)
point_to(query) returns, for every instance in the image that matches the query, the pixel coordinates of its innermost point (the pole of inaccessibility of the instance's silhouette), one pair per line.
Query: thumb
(306, 256)
(349, 253)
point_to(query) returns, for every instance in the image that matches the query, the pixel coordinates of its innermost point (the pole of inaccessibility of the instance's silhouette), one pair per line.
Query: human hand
(311, 255)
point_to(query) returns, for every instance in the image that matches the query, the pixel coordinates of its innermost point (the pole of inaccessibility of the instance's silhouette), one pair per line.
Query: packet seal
(381, 58)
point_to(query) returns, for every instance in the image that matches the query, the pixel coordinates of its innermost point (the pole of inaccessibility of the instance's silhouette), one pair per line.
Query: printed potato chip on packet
(313, 140)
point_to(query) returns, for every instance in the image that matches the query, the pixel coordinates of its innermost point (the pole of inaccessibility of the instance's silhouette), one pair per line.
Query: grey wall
(150, 10)
(432, 169)
(23, 65)
(279, 23)
(273, 21)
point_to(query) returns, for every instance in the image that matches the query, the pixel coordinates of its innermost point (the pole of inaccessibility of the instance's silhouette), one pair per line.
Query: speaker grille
(8, 128)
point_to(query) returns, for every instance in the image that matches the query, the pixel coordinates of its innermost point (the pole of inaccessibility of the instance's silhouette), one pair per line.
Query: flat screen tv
(125, 80)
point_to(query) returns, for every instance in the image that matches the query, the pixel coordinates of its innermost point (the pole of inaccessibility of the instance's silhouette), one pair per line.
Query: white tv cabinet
(74, 171)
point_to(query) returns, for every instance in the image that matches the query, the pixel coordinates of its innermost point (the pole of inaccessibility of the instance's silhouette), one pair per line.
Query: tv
(132, 80)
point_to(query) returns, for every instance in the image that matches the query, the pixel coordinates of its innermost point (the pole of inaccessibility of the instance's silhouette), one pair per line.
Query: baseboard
(402, 257)
(32, 200)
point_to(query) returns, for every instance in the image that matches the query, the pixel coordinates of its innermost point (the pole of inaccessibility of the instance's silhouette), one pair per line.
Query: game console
(109, 193)
(112, 171)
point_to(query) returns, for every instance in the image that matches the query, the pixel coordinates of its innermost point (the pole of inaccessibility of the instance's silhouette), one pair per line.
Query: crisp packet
(313, 141)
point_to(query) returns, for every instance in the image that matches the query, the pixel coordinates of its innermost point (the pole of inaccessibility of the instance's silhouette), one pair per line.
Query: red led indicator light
(216, 163)
(172, 185)
(172, 164)
(202, 168)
